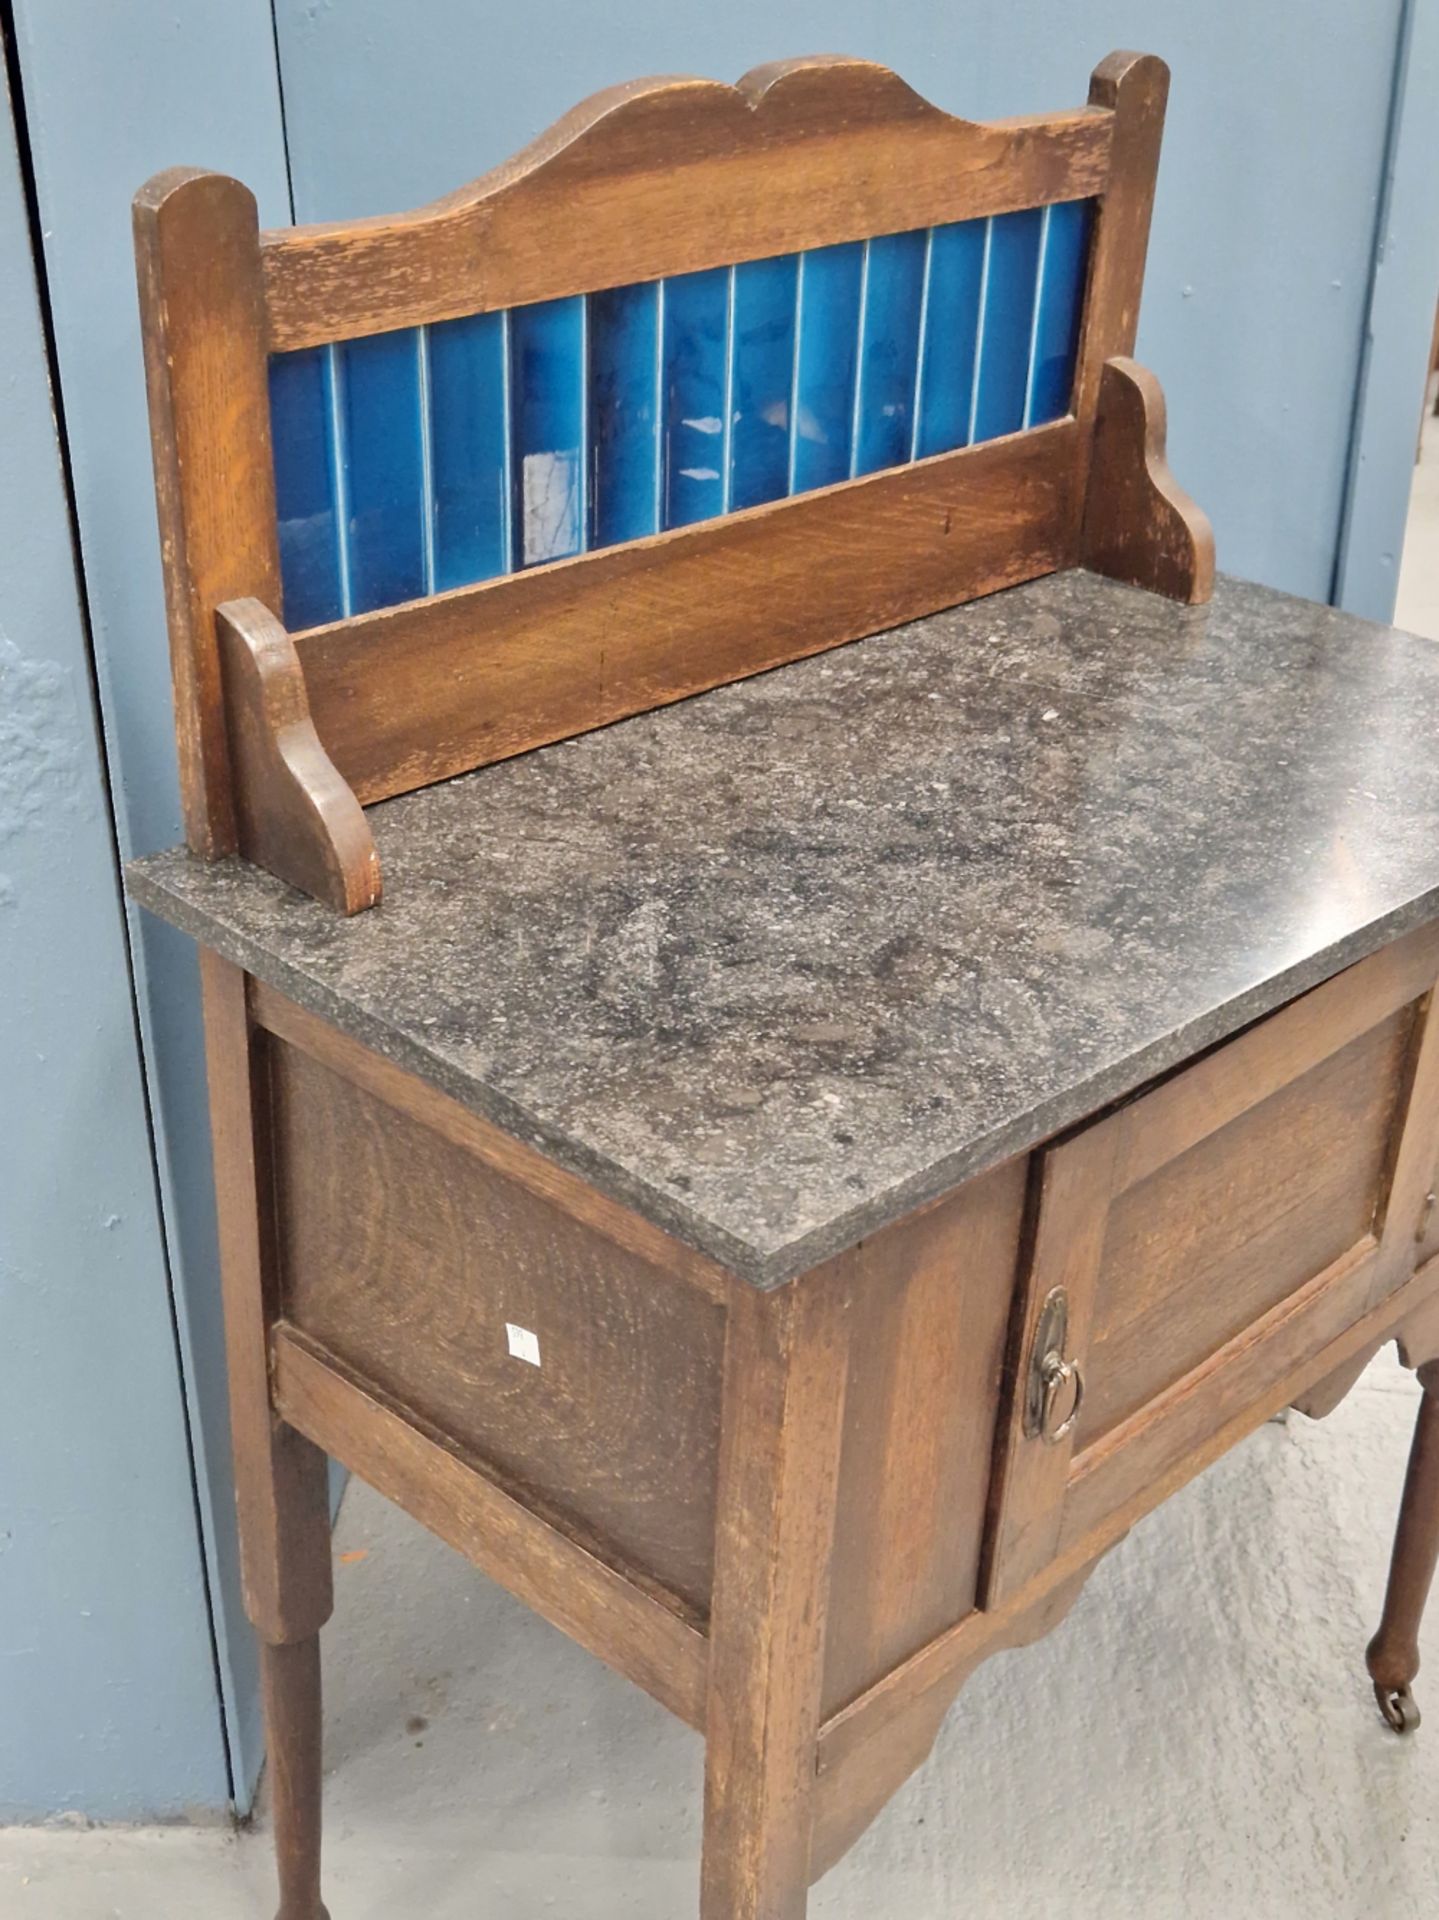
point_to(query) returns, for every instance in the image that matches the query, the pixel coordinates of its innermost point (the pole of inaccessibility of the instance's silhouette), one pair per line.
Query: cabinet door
(1194, 1248)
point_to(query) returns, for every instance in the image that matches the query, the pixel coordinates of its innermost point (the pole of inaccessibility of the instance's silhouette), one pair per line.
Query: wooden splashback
(707, 379)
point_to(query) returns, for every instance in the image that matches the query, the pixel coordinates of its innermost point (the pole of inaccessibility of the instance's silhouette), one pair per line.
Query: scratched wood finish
(929, 1319)
(416, 693)
(1134, 89)
(667, 176)
(281, 1480)
(786, 1364)
(202, 315)
(281, 1490)
(1139, 524)
(409, 1259)
(827, 1694)
(294, 814)
(1207, 1235)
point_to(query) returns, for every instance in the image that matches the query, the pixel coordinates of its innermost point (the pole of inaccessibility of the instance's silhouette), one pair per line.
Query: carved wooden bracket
(296, 817)
(1139, 524)
(1320, 1400)
(864, 1764)
(1418, 1338)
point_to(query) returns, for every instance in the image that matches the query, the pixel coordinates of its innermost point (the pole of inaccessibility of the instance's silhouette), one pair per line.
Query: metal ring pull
(1056, 1373)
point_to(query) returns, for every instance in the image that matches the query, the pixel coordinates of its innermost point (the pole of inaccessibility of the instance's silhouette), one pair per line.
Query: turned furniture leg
(1393, 1656)
(291, 1680)
(786, 1359)
(281, 1483)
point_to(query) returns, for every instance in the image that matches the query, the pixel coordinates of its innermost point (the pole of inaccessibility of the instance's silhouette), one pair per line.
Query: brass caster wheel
(1397, 1706)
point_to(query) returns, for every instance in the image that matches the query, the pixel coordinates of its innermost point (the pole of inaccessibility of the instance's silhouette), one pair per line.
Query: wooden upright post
(786, 1362)
(197, 249)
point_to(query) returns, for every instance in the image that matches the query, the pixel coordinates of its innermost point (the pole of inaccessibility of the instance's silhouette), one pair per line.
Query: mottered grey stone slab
(774, 965)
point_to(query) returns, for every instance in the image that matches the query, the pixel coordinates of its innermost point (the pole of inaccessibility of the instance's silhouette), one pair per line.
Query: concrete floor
(1197, 1742)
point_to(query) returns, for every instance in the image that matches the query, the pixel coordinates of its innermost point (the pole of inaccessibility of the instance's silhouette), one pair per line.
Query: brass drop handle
(1052, 1376)
(1057, 1373)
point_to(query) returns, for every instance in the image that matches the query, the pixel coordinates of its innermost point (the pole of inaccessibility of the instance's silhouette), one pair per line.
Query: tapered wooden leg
(786, 1361)
(281, 1483)
(1393, 1656)
(291, 1678)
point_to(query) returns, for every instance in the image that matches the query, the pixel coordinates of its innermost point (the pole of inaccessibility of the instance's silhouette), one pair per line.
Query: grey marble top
(777, 964)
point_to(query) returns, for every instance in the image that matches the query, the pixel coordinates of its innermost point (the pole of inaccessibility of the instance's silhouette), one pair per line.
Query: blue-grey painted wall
(1264, 225)
(1260, 294)
(112, 94)
(108, 1702)
(1397, 334)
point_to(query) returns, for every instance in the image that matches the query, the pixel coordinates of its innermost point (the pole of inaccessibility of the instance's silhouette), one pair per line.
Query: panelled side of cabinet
(585, 1373)
(578, 1371)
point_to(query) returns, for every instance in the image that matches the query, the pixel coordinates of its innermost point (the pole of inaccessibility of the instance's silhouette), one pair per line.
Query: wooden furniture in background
(798, 1514)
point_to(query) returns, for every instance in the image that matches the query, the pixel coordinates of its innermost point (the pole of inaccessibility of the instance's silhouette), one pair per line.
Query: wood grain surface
(670, 175)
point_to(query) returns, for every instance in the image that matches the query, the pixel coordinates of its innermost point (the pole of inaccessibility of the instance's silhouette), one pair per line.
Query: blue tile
(302, 431)
(1007, 323)
(696, 349)
(951, 337)
(548, 377)
(625, 393)
(827, 355)
(469, 449)
(383, 468)
(889, 351)
(1062, 276)
(418, 461)
(761, 379)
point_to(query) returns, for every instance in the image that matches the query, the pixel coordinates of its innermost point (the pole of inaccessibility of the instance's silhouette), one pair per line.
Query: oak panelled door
(1199, 1242)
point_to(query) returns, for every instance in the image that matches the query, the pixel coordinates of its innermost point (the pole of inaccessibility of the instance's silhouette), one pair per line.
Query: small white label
(524, 1345)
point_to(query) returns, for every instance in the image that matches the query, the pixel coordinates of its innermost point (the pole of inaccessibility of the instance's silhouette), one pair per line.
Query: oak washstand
(786, 1181)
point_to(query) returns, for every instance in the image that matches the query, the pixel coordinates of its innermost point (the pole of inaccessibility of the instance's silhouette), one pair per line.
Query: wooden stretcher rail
(672, 175)
(640, 1633)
